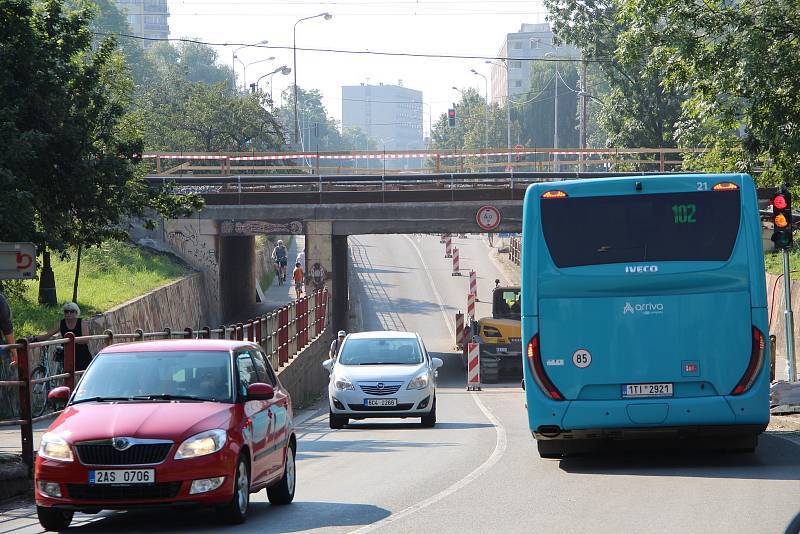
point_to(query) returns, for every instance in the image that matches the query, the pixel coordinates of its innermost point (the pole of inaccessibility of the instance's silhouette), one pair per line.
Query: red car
(161, 423)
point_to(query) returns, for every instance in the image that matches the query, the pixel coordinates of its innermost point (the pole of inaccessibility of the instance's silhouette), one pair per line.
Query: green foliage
(70, 151)
(111, 274)
(536, 108)
(740, 63)
(637, 111)
(317, 129)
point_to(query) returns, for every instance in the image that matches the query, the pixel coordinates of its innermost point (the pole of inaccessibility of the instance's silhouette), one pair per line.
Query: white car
(382, 374)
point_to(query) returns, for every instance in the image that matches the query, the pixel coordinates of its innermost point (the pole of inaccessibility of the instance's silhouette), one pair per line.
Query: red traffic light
(451, 113)
(779, 201)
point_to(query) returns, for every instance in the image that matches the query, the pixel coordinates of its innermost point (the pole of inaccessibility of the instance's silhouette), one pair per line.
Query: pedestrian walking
(301, 259)
(336, 344)
(297, 277)
(7, 327)
(72, 322)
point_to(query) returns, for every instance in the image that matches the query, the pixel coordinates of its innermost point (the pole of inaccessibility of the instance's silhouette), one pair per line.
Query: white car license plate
(647, 390)
(123, 476)
(380, 402)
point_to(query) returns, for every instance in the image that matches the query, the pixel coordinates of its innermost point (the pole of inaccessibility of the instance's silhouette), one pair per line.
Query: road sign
(488, 218)
(17, 261)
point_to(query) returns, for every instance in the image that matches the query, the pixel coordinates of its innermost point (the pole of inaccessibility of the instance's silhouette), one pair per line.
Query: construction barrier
(473, 367)
(456, 267)
(448, 247)
(471, 306)
(473, 283)
(459, 330)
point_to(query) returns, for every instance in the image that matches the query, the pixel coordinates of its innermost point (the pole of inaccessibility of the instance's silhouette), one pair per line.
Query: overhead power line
(353, 52)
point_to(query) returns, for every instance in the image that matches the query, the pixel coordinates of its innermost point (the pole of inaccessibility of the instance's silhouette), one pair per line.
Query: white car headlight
(419, 382)
(201, 444)
(54, 447)
(342, 383)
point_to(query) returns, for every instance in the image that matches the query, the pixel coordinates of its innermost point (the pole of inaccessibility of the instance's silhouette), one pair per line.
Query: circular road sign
(488, 218)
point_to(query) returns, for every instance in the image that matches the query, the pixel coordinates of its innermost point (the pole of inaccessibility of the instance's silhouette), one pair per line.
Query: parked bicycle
(39, 391)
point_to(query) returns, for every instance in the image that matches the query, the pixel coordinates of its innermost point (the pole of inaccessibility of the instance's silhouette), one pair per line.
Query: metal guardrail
(282, 334)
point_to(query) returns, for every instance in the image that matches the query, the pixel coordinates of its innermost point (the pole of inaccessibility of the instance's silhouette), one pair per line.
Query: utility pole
(583, 116)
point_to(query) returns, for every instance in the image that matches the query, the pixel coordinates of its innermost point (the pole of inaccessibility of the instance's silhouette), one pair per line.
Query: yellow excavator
(499, 336)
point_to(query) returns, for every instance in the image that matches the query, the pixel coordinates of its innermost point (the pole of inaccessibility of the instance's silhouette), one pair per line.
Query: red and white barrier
(459, 330)
(448, 247)
(473, 367)
(456, 267)
(471, 306)
(473, 282)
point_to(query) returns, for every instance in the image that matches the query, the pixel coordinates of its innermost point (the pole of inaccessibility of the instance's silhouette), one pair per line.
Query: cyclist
(279, 257)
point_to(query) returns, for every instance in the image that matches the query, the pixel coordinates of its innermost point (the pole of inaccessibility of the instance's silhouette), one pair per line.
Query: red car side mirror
(260, 391)
(59, 396)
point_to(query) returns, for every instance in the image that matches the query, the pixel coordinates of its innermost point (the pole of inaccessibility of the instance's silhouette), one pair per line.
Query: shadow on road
(775, 459)
(263, 517)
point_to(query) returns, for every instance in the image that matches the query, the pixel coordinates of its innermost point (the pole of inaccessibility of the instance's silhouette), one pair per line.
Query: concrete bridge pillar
(328, 251)
(237, 260)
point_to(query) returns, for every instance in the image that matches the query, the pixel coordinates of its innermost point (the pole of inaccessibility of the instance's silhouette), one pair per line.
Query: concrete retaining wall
(304, 376)
(775, 309)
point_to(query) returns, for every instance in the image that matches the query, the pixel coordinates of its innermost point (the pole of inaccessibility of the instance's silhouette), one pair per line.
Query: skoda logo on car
(121, 444)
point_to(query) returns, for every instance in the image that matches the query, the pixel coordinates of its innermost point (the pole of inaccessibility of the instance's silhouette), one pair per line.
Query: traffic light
(451, 117)
(782, 219)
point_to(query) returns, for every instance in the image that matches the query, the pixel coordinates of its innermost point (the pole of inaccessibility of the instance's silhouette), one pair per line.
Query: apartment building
(147, 18)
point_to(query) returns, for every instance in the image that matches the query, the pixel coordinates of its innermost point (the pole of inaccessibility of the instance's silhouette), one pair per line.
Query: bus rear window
(695, 226)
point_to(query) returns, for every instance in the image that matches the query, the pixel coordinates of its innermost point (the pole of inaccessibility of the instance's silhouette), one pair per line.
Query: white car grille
(380, 388)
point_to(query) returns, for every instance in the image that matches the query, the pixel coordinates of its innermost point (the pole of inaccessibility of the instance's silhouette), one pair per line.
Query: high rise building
(147, 18)
(389, 114)
(532, 41)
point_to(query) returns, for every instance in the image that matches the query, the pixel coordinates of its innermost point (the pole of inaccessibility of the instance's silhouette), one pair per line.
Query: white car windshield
(383, 351)
(174, 375)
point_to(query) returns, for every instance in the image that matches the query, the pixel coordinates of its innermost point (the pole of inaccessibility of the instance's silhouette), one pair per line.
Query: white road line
(499, 450)
(450, 325)
(499, 447)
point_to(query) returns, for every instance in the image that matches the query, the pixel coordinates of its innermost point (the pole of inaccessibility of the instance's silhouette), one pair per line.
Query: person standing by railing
(72, 323)
(7, 327)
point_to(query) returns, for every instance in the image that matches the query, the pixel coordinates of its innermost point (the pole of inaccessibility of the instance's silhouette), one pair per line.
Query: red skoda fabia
(162, 423)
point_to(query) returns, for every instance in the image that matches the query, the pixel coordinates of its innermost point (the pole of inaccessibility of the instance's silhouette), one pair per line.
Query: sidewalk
(276, 296)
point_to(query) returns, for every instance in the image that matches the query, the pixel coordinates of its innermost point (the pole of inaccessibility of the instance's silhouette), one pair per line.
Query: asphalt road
(478, 470)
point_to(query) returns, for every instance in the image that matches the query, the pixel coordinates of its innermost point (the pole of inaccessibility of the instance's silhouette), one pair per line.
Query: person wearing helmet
(72, 322)
(336, 344)
(279, 257)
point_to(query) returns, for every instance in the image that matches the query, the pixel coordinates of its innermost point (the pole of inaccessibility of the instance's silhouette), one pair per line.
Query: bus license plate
(123, 476)
(647, 390)
(380, 402)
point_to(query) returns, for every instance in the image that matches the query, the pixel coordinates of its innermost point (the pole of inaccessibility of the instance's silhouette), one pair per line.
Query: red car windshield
(178, 375)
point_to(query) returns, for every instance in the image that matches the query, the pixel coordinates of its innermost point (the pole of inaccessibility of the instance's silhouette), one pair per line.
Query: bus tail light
(756, 361)
(725, 186)
(538, 372)
(554, 194)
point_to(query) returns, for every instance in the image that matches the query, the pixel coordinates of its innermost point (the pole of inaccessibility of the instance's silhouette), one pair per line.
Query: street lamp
(485, 114)
(283, 70)
(555, 112)
(244, 73)
(327, 16)
(234, 57)
(503, 63)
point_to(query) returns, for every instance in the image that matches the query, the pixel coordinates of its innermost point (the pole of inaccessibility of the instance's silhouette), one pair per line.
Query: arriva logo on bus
(641, 268)
(649, 308)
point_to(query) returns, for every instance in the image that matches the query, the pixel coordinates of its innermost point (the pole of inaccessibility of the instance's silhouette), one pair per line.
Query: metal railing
(282, 334)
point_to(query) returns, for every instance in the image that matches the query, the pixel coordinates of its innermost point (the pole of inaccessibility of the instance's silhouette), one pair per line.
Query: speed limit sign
(488, 218)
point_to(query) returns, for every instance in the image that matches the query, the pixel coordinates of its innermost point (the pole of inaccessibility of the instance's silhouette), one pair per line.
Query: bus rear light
(756, 361)
(538, 372)
(554, 194)
(725, 186)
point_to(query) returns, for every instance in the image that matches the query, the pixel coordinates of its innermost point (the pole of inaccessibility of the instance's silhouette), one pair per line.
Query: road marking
(450, 325)
(499, 450)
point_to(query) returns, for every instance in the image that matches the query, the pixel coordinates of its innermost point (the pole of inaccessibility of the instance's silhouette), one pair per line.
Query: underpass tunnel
(237, 256)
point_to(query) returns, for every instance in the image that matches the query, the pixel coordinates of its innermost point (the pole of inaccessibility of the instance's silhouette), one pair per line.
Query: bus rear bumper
(648, 433)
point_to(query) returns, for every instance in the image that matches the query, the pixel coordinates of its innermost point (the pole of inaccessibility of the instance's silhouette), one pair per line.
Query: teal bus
(644, 311)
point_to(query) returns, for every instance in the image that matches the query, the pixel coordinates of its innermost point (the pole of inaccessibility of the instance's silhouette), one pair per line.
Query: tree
(535, 109)
(637, 110)
(317, 129)
(740, 64)
(70, 151)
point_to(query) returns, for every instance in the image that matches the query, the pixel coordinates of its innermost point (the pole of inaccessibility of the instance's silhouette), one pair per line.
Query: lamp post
(327, 16)
(234, 57)
(283, 70)
(485, 114)
(504, 64)
(244, 70)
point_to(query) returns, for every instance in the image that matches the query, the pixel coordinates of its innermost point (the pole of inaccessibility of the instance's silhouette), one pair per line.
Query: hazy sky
(446, 27)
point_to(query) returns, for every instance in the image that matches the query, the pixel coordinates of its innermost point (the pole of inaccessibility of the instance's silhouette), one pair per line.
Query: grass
(773, 261)
(110, 275)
